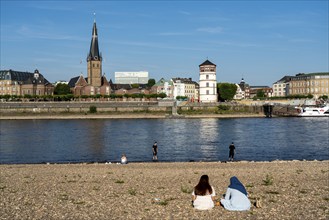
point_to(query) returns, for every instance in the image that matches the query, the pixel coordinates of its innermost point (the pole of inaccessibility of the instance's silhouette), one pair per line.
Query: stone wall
(117, 107)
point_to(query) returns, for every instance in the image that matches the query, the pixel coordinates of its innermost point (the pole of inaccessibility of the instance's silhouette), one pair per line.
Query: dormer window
(96, 57)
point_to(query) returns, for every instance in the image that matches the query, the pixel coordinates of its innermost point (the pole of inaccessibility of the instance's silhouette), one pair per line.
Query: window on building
(207, 92)
(207, 76)
(207, 84)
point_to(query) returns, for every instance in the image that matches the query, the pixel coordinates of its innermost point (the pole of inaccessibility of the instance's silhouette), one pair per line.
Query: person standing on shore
(231, 152)
(155, 151)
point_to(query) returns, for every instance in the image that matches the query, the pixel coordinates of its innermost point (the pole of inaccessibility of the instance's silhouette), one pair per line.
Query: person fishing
(155, 151)
(231, 152)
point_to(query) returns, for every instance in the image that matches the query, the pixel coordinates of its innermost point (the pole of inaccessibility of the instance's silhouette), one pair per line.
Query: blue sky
(261, 41)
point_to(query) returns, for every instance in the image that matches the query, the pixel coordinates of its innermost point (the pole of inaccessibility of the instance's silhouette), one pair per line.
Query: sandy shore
(287, 190)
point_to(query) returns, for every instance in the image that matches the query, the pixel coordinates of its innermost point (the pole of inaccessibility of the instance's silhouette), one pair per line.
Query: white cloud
(173, 34)
(49, 6)
(159, 46)
(301, 40)
(235, 44)
(41, 32)
(212, 30)
(184, 12)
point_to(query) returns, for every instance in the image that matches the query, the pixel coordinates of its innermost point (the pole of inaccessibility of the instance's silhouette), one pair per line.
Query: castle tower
(208, 82)
(94, 61)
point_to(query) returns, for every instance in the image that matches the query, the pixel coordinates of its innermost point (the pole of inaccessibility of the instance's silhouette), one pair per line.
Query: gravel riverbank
(286, 189)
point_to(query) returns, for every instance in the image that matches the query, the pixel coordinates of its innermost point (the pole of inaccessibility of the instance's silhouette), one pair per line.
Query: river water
(72, 141)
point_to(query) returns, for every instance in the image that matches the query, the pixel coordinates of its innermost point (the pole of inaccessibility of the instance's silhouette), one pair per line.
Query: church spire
(94, 50)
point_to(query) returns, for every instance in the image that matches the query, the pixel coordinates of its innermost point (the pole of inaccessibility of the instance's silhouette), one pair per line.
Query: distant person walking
(231, 152)
(155, 151)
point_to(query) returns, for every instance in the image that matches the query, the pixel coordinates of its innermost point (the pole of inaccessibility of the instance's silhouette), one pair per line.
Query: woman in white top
(203, 195)
(124, 159)
(236, 197)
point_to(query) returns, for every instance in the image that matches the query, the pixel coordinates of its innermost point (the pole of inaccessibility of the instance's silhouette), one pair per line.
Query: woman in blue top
(236, 197)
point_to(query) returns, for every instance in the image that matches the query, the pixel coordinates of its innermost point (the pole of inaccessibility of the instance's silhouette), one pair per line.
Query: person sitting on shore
(124, 159)
(236, 197)
(203, 195)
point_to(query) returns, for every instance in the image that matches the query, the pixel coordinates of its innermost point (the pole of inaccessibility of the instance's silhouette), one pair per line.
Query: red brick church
(95, 83)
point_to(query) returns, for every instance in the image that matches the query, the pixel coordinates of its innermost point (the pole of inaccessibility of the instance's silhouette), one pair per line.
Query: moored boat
(313, 111)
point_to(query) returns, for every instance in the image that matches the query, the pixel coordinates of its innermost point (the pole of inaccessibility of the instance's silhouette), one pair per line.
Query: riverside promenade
(120, 116)
(285, 189)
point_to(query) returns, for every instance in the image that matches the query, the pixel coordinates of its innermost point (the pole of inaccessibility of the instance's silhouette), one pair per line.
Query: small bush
(223, 107)
(163, 202)
(132, 192)
(92, 109)
(268, 180)
(299, 171)
(119, 181)
(186, 189)
(303, 191)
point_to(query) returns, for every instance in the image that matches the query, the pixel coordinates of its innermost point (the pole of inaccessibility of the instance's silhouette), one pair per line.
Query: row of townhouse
(245, 91)
(177, 87)
(96, 83)
(316, 84)
(24, 83)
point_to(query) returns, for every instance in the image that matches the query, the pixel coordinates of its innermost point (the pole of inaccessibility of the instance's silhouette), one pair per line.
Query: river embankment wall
(117, 107)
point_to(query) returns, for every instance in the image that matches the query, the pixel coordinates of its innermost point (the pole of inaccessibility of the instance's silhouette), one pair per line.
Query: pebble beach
(284, 189)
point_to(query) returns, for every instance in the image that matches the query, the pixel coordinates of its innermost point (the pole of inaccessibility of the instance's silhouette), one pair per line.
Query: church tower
(94, 61)
(208, 82)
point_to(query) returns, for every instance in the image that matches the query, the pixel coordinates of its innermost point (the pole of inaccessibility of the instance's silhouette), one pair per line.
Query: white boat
(313, 111)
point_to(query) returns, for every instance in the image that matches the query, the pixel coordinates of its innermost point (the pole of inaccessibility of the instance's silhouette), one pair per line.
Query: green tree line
(71, 97)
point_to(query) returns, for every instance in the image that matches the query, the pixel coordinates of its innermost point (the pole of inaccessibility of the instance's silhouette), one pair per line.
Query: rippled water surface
(58, 141)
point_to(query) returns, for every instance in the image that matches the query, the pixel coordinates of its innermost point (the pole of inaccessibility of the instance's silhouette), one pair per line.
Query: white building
(179, 87)
(281, 87)
(61, 82)
(163, 86)
(185, 87)
(140, 77)
(239, 94)
(208, 82)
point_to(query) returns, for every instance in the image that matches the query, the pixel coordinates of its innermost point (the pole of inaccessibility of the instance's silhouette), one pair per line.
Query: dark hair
(203, 187)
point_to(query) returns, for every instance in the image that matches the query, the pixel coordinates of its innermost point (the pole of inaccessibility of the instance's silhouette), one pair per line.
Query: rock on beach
(286, 190)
